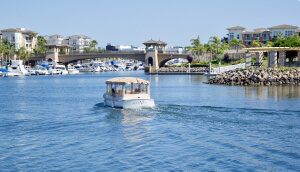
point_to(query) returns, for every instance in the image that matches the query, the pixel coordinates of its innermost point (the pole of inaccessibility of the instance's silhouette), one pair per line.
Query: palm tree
(32, 35)
(216, 41)
(93, 44)
(279, 35)
(196, 47)
(20, 51)
(9, 50)
(256, 43)
(210, 48)
(224, 46)
(87, 49)
(235, 42)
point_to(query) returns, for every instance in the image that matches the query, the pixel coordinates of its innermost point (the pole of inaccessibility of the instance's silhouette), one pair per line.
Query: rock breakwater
(258, 77)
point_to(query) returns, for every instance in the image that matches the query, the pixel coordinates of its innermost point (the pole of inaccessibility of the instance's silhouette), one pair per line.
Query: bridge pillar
(273, 59)
(151, 58)
(259, 59)
(282, 56)
(247, 60)
(53, 56)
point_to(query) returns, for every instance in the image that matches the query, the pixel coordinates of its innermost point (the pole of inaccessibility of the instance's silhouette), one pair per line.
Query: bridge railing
(107, 52)
(37, 55)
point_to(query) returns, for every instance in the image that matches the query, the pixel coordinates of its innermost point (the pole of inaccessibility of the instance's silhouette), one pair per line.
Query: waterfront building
(56, 39)
(286, 30)
(175, 50)
(20, 37)
(0, 35)
(110, 47)
(79, 42)
(261, 34)
(124, 48)
(235, 32)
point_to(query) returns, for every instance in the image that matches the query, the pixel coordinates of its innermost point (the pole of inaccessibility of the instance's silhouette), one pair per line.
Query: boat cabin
(128, 88)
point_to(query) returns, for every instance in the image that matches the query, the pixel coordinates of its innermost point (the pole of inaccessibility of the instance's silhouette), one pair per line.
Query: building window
(275, 33)
(74, 41)
(231, 36)
(248, 37)
(289, 33)
(238, 36)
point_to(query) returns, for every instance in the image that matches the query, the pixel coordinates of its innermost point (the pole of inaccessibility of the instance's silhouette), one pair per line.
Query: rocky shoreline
(258, 77)
(182, 69)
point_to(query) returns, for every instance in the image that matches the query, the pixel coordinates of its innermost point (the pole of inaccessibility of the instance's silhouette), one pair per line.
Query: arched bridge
(154, 56)
(162, 58)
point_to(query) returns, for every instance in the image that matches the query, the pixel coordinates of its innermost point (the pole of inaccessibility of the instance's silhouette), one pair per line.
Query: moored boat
(128, 92)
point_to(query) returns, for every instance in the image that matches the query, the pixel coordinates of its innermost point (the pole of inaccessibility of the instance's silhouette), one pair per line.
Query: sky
(132, 22)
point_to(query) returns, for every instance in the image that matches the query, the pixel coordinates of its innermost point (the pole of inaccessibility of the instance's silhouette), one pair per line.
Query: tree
(290, 41)
(32, 35)
(87, 49)
(189, 58)
(20, 52)
(237, 43)
(279, 35)
(93, 44)
(41, 41)
(224, 40)
(256, 43)
(224, 46)
(215, 40)
(210, 48)
(196, 47)
(269, 44)
(101, 50)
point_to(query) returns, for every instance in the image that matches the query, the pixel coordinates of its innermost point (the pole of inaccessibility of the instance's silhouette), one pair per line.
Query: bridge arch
(150, 61)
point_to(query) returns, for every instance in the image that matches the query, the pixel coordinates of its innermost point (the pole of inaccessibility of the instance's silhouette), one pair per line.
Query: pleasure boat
(73, 70)
(85, 68)
(128, 92)
(61, 69)
(18, 68)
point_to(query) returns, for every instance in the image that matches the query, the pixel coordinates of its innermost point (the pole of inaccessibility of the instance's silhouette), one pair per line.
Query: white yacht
(73, 70)
(61, 69)
(39, 70)
(18, 68)
(85, 68)
(128, 92)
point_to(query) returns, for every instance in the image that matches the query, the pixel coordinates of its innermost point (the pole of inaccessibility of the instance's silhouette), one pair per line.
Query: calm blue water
(59, 123)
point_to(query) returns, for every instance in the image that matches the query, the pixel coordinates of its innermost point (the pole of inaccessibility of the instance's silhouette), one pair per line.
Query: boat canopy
(126, 80)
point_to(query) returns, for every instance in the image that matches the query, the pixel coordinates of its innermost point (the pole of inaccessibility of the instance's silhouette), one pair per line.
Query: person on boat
(113, 92)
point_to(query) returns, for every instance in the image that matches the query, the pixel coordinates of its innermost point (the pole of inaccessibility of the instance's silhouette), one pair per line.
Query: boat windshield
(136, 88)
(114, 88)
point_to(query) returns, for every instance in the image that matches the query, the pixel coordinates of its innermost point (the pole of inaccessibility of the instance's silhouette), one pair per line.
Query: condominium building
(235, 32)
(286, 30)
(55, 39)
(20, 37)
(261, 34)
(79, 42)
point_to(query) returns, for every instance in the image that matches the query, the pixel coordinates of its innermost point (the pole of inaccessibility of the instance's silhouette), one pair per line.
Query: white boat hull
(136, 103)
